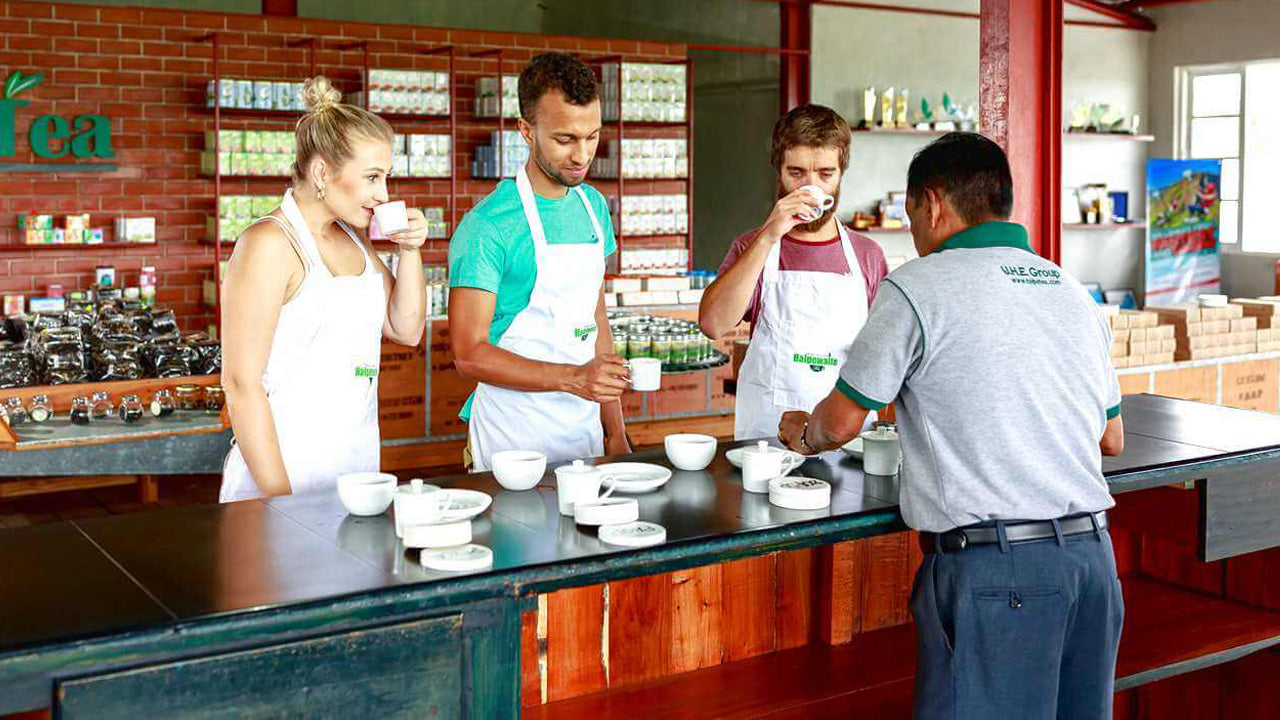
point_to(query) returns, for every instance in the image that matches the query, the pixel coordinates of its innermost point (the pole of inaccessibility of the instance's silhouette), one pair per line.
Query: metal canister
(620, 343)
(660, 346)
(680, 348)
(638, 345)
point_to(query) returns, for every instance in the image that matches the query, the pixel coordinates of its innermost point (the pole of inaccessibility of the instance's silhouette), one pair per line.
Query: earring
(320, 191)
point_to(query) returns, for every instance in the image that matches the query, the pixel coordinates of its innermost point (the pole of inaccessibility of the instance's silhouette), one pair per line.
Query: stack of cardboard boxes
(1210, 332)
(1138, 339)
(1266, 311)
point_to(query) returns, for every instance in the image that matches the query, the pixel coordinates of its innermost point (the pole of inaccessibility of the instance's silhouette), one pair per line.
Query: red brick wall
(140, 68)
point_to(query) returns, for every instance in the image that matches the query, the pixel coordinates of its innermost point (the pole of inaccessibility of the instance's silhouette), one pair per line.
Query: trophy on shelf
(886, 110)
(947, 120)
(901, 113)
(968, 117)
(924, 116)
(868, 108)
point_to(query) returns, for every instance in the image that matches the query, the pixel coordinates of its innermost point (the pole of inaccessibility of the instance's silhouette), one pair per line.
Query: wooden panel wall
(636, 630)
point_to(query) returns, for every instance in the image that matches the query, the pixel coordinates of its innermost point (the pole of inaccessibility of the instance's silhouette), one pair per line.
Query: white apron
(800, 340)
(322, 374)
(559, 326)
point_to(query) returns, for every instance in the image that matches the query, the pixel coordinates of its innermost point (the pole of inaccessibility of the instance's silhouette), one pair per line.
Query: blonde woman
(305, 305)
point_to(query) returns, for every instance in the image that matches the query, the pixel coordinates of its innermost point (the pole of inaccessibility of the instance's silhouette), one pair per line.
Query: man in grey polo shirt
(1006, 400)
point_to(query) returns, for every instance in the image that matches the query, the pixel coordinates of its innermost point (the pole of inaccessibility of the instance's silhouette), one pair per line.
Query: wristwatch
(804, 438)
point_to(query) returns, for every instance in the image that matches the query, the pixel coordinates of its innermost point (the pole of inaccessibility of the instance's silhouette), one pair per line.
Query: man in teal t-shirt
(526, 268)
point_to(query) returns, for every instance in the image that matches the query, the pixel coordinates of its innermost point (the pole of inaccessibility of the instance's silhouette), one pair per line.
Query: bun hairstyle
(330, 126)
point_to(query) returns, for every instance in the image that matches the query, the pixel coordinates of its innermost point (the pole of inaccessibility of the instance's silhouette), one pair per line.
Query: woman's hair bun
(318, 94)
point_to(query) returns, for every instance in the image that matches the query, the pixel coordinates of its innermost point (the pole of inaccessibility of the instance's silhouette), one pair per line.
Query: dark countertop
(147, 572)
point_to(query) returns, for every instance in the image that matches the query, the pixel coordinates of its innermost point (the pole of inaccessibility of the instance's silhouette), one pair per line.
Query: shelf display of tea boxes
(256, 95)
(136, 229)
(493, 93)
(650, 92)
(515, 152)
(656, 158)
(40, 230)
(420, 155)
(406, 92)
(654, 214)
(268, 153)
(237, 212)
(437, 228)
(1138, 339)
(653, 261)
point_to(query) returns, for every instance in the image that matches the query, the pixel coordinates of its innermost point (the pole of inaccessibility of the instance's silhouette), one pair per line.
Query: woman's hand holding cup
(406, 227)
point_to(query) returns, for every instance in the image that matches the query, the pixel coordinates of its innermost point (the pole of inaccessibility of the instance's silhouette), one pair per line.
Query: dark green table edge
(28, 673)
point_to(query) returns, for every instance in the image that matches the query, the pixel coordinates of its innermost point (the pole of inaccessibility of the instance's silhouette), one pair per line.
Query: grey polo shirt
(1001, 366)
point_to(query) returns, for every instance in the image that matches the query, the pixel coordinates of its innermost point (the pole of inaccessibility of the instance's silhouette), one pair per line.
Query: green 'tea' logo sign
(51, 136)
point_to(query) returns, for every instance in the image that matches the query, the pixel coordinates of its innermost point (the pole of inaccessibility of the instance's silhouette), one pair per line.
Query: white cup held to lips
(646, 374)
(763, 463)
(390, 218)
(824, 201)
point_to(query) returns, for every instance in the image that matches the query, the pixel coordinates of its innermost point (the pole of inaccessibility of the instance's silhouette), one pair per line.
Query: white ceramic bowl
(518, 469)
(690, 451)
(366, 493)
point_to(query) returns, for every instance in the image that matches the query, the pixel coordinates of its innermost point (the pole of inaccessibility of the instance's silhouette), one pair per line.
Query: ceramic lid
(880, 434)
(417, 487)
(762, 446)
(577, 468)
(635, 534)
(463, 558)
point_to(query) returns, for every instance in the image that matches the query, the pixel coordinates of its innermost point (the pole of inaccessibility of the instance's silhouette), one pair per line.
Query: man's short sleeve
(736, 249)
(477, 255)
(886, 351)
(1113, 380)
(601, 206)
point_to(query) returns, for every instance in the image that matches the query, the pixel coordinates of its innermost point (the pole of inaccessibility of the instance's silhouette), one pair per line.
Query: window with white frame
(1232, 113)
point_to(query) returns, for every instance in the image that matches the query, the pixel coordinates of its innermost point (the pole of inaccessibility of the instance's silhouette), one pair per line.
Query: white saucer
(438, 535)
(610, 511)
(464, 558)
(854, 447)
(630, 478)
(636, 534)
(463, 504)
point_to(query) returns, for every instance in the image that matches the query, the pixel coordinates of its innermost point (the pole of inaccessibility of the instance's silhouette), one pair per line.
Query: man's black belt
(1020, 531)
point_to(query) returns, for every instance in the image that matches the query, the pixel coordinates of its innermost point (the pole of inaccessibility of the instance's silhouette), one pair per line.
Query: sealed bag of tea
(167, 357)
(163, 322)
(17, 366)
(118, 358)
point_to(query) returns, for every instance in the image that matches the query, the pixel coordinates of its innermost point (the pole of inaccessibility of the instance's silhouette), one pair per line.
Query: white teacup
(881, 451)
(762, 463)
(417, 504)
(690, 451)
(824, 201)
(576, 483)
(392, 217)
(646, 374)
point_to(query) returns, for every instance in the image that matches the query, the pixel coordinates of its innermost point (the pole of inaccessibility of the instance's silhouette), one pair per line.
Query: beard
(551, 172)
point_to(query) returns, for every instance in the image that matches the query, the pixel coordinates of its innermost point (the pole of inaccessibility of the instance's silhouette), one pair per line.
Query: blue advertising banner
(1182, 257)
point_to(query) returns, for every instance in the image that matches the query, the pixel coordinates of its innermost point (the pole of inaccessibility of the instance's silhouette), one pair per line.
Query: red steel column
(793, 68)
(1020, 100)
